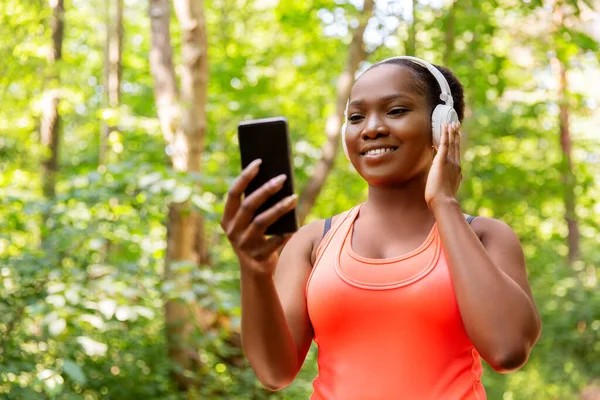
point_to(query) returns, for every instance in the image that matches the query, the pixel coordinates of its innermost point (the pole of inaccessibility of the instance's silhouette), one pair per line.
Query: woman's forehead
(384, 80)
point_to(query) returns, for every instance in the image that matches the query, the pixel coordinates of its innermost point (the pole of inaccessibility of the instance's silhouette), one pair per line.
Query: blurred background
(118, 142)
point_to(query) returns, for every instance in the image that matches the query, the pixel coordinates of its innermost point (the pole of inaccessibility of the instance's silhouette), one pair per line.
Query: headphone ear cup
(442, 114)
(343, 131)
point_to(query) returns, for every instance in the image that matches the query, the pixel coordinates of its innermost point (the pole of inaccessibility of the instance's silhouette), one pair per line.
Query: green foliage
(83, 293)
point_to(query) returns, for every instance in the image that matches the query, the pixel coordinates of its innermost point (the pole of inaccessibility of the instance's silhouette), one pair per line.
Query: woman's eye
(396, 111)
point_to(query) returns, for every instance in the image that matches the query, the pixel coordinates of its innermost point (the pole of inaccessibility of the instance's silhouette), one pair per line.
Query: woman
(404, 293)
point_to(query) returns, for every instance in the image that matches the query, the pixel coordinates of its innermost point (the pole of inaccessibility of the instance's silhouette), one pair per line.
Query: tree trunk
(568, 177)
(50, 137)
(411, 43)
(163, 71)
(112, 69)
(180, 314)
(50, 125)
(194, 77)
(183, 121)
(357, 54)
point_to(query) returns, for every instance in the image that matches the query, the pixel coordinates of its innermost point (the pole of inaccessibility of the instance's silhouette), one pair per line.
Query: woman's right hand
(257, 253)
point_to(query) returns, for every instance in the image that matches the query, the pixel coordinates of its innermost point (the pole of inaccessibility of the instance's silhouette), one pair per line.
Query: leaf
(201, 203)
(92, 347)
(583, 40)
(74, 371)
(149, 179)
(589, 3)
(181, 194)
(57, 327)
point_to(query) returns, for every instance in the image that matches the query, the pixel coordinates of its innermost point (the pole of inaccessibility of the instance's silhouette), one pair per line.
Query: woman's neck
(404, 204)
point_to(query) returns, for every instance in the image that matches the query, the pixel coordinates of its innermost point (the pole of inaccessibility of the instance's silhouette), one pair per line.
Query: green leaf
(74, 371)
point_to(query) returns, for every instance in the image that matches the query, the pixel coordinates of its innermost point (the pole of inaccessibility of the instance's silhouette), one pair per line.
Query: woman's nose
(373, 128)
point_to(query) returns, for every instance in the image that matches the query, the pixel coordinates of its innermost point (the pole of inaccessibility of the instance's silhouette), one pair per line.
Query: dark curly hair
(427, 85)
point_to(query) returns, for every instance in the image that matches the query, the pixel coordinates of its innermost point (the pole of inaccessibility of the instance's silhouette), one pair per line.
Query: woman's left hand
(445, 173)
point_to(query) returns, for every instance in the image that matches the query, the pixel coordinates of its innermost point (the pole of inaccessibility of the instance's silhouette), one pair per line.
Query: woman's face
(388, 134)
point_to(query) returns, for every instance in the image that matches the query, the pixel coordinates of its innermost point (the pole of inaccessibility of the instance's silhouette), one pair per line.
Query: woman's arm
(276, 331)
(490, 281)
(489, 276)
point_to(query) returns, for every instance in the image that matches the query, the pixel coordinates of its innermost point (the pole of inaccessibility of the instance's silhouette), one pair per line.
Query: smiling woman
(403, 294)
(388, 113)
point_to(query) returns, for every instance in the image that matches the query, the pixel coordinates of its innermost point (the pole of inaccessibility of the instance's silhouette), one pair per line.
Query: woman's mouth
(378, 152)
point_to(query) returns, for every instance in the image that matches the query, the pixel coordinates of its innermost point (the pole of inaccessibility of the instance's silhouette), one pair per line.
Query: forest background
(118, 142)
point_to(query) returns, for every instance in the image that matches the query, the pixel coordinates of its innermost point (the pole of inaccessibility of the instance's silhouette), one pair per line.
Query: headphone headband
(446, 95)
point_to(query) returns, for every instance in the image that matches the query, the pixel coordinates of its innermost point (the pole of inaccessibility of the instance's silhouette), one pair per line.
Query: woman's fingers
(259, 225)
(234, 196)
(251, 203)
(270, 246)
(254, 242)
(451, 141)
(443, 149)
(457, 143)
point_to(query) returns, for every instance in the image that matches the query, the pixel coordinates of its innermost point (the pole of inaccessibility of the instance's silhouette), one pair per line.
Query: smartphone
(268, 139)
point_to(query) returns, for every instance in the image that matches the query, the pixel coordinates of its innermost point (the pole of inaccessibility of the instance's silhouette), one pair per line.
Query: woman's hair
(428, 86)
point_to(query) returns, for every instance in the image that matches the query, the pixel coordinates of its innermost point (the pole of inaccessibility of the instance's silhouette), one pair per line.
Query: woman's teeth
(379, 151)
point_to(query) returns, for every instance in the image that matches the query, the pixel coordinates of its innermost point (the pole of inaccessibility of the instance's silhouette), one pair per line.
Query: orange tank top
(388, 329)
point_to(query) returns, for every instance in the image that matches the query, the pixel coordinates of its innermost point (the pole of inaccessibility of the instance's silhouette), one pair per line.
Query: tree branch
(356, 55)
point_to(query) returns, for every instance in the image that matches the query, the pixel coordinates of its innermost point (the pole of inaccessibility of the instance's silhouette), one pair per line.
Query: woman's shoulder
(488, 228)
(317, 228)
(313, 233)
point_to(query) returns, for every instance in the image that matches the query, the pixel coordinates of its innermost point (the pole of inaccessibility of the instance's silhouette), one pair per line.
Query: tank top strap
(339, 221)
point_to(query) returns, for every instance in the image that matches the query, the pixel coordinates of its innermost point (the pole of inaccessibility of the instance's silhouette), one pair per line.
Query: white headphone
(442, 114)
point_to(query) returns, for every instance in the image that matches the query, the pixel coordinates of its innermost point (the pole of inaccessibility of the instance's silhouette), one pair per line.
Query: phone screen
(268, 140)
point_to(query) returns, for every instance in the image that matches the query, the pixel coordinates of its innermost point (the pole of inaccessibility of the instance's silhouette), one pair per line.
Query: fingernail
(278, 179)
(255, 163)
(289, 200)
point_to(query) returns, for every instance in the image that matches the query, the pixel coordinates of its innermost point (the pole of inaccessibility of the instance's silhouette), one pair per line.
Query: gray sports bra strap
(470, 218)
(327, 227)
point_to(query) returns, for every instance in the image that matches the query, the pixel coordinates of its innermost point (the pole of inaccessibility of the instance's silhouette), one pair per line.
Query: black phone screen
(268, 140)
